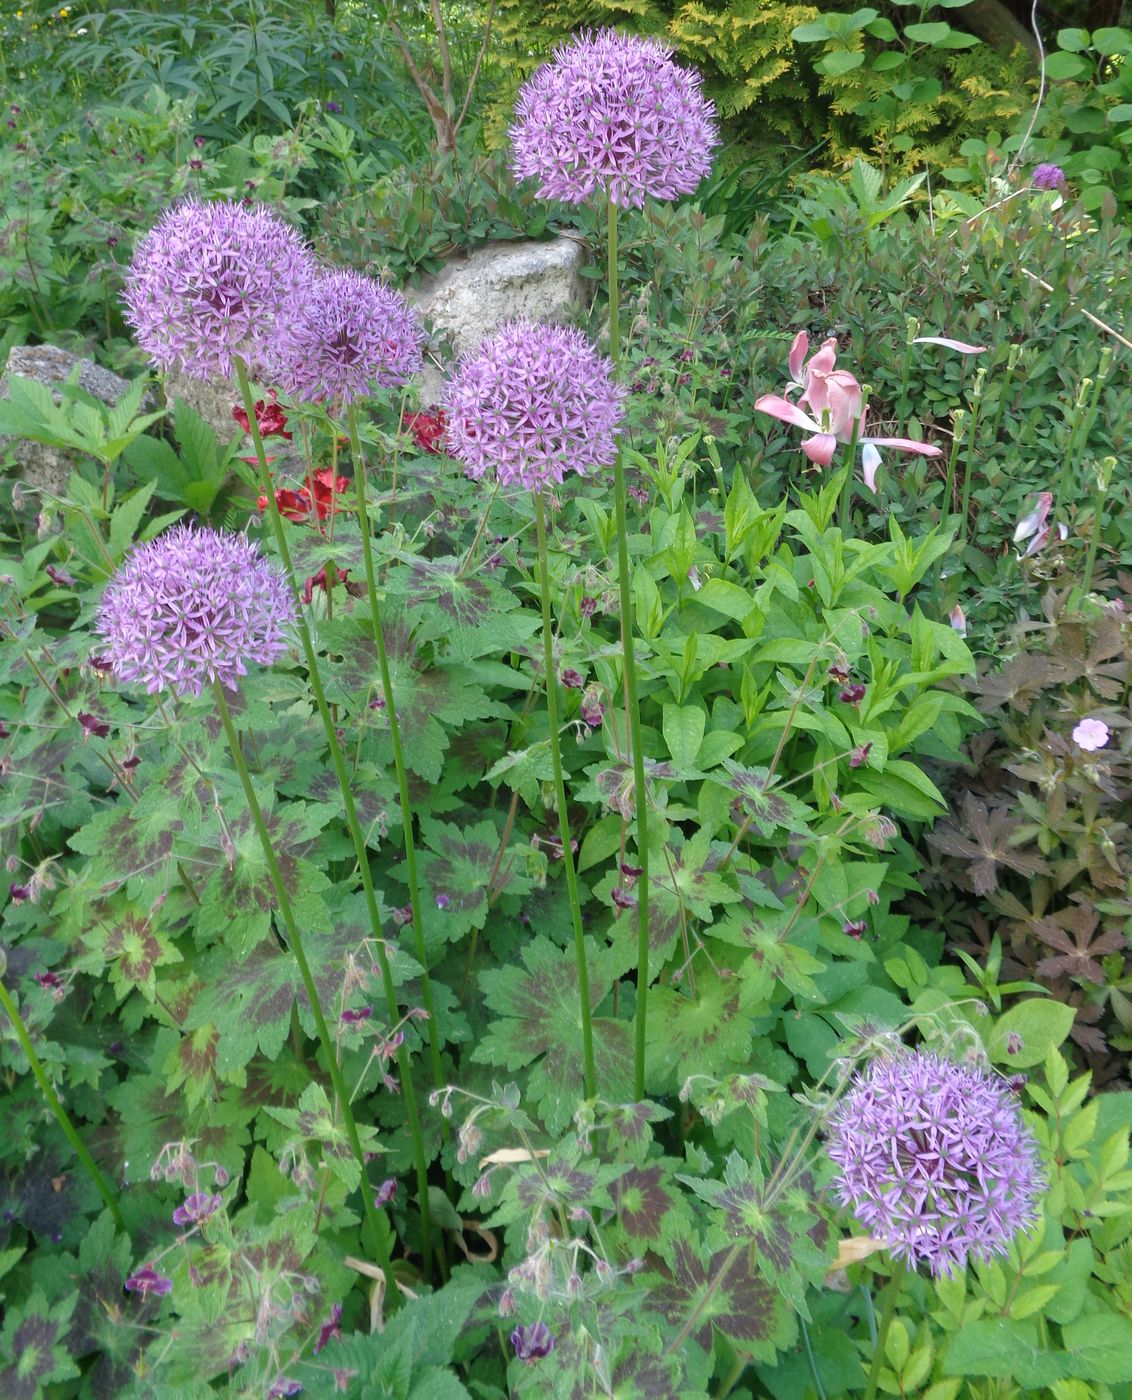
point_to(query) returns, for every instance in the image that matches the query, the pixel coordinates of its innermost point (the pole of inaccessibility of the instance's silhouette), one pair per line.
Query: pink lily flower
(836, 401)
(958, 620)
(960, 345)
(1034, 527)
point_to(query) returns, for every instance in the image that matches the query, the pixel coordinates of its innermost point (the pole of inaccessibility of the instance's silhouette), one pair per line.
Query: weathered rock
(45, 468)
(471, 296)
(213, 399)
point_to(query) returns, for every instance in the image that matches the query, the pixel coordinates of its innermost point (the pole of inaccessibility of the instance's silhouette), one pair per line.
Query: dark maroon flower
(196, 163)
(390, 1047)
(593, 710)
(49, 981)
(859, 755)
(334, 107)
(147, 1280)
(588, 606)
(532, 1343)
(853, 694)
(855, 927)
(427, 429)
(385, 1193)
(197, 1208)
(355, 1018)
(839, 671)
(19, 893)
(330, 1331)
(198, 142)
(284, 1386)
(1013, 1043)
(93, 725)
(573, 680)
(622, 898)
(59, 576)
(633, 872)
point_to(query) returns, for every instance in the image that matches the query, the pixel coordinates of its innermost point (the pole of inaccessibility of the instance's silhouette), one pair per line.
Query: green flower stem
(62, 1117)
(632, 706)
(1108, 466)
(404, 1065)
(969, 458)
(295, 942)
(551, 677)
(1012, 358)
(911, 332)
(398, 750)
(892, 1294)
(846, 502)
(958, 419)
(1084, 414)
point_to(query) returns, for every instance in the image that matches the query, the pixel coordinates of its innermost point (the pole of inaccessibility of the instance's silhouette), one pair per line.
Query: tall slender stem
(377, 1233)
(408, 1090)
(62, 1117)
(560, 801)
(632, 706)
(398, 750)
(895, 1287)
(968, 460)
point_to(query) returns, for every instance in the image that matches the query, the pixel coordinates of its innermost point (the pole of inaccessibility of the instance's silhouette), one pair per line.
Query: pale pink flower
(836, 402)
(960, 345)
(959, 620)
(1091, 734)
(1036, 527)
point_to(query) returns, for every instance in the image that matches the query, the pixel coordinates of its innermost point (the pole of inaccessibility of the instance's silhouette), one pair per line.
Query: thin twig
(1096, 320)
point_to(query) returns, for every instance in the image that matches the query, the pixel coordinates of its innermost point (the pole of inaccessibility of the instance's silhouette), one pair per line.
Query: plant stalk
(62, 1117)
(398, 750)
(632, 706)
(403, 1061)
(560, 801)
(892, 1294)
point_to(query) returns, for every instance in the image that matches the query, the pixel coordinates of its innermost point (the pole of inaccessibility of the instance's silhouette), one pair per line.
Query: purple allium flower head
(197, 1208)
(350, 332)
(1048, 177)
(532, 1343)
(612, 112)
(148, 1280)
(193, 606)
(935, 1160)
(210, 282)
(532, 403)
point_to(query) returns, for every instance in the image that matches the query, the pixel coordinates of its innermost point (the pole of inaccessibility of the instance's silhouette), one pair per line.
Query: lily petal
(924, 449)
(783, 409)
(959, 620)
(960, 345)
(798, 356)
(1032, 523)
(820, 449)
(870, 461)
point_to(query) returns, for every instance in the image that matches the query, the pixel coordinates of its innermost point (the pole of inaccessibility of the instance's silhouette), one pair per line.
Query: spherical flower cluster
(350, 332)
(213, 281)
(191, 607)
(612, 112)
(935, 1160)
(532, 403)
(1048, 177)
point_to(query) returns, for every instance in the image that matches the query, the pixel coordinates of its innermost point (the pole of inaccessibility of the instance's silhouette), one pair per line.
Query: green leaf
(683, 729)
(1091, 1349)
(931, 33)
(1073, 40)
(1041, 1024)
(840, 62)
(1066, 66)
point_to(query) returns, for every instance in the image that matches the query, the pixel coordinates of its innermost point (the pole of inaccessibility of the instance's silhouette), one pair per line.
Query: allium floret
(212, 281)
(350, 333)
(532, 403)
(935, 1160)
(612, 112)
(193, 606)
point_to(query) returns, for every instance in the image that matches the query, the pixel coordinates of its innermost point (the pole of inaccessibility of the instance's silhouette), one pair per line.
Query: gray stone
(213, 399)
(471, 296)
(45, 468)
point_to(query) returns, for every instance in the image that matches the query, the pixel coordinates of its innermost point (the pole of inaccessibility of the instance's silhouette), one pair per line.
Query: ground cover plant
(613, 883)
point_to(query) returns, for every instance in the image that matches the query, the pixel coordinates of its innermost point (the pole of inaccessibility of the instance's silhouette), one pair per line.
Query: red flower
(296, 505)
(271, 419)
(319, 581)
(427, 429)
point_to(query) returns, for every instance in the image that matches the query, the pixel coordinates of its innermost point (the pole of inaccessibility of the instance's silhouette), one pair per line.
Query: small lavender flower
(1048, 177)
(211, 281)
(193, 606)
(350, 332)
(935, 1160)
(532, 403)
(197, 1208)
(612, 112)
(147, 1280)
(532, 1343)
